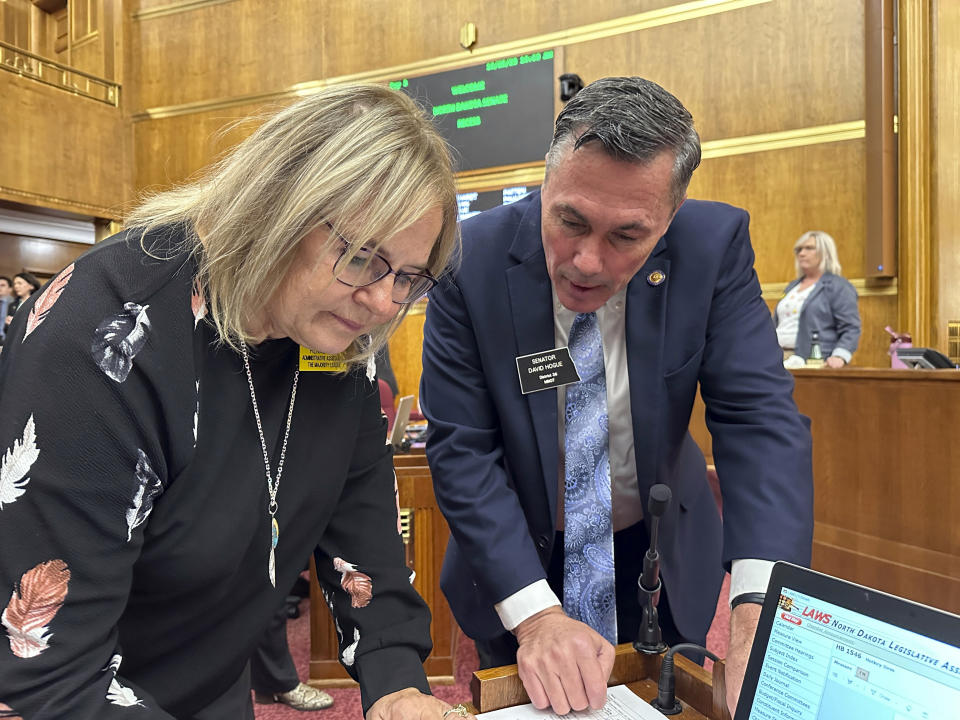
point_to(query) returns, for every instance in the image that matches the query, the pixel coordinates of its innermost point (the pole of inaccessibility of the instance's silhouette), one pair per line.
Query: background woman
(170, 460)
(24, 285)
(819, 299)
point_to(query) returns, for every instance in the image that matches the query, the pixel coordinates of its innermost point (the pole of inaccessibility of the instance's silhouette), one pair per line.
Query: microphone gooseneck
(649, 638)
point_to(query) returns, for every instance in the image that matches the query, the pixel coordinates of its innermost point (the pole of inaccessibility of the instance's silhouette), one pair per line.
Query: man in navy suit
(670, 285)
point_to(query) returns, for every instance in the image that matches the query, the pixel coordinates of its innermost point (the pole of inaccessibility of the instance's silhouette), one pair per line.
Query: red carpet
(346, 702)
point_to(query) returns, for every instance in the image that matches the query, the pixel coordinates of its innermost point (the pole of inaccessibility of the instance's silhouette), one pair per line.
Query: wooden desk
(702, 694)
(886, 461)
(410, 460)
(425, 536)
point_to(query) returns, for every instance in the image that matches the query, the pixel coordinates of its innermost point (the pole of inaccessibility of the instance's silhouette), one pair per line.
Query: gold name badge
(313, 361)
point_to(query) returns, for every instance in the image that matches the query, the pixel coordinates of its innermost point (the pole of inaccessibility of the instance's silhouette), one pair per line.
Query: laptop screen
(824, 662)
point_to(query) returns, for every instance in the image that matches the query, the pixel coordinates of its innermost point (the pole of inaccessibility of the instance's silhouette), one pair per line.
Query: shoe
(302, 697)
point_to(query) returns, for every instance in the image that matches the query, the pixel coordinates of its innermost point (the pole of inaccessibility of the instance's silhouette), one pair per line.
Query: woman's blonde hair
(826, 251)
(363, 158)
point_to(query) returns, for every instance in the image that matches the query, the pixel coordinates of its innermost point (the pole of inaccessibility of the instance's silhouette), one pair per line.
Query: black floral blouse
(134, 531)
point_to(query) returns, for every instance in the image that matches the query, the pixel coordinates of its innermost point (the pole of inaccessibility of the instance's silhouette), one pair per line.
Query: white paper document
(621, 703)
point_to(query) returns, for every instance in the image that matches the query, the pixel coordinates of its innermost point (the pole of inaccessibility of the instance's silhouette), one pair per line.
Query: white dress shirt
(747, 575)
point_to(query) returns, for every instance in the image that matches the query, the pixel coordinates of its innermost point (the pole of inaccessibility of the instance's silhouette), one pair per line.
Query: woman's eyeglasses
(367, 267)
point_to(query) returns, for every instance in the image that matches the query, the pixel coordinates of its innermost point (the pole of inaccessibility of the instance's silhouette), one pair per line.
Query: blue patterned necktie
(588, 578)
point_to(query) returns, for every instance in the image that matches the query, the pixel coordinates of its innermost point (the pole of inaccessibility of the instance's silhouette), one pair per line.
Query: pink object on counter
(898, 340)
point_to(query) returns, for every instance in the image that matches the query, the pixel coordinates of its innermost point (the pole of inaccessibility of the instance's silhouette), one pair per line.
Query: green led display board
(494, 114)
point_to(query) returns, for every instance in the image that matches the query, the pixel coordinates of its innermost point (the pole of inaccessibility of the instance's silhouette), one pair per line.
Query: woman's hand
(411, 704)
(835, 362)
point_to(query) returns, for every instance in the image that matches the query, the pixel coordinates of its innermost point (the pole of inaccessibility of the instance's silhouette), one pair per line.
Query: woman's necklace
(272, 485)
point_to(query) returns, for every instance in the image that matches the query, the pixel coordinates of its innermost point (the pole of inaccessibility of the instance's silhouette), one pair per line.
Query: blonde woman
(171, 461)
(820, 300)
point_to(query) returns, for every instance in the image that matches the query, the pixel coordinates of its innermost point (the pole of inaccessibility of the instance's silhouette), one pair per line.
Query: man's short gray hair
(633, 119)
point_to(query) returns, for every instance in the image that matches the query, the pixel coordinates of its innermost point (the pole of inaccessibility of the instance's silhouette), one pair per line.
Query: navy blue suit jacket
(494, 452)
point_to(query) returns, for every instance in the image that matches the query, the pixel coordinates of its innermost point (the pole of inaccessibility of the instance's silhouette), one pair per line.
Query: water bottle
(816, 355)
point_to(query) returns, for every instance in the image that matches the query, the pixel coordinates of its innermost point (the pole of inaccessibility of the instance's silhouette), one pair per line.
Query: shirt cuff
(749, 576)
(525, 602)
(844, 355)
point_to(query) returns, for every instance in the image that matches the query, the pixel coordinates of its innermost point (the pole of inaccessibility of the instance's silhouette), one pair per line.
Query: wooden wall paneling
(876, 312)
(366, 35)
(777, 66)
(77, 165)
(786, 192)
(170, 150)
(40, 32)
(88, 43)
(40, 256)
(15, 23)
(363, 36)
(224, 50)
(406, 350)
(355, 38)
(89, 56)
(113, 35)
(60, 35)
(43, 34)
(946, 161)
(85, 18)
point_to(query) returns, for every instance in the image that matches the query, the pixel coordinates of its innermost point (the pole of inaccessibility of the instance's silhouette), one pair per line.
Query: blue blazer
(494, 452)
(831, 309)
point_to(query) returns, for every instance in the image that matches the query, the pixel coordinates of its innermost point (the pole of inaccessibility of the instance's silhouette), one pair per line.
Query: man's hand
(835, 362)
(563, 663)
(743, 626)
(411, 704)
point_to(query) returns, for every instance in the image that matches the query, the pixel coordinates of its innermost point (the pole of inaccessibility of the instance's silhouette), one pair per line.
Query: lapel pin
(656, 278)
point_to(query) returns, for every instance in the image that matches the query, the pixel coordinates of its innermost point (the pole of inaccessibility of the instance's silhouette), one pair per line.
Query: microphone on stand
(649, 639)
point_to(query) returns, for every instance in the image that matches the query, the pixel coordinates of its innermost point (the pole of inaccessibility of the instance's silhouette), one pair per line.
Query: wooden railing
(48, 72)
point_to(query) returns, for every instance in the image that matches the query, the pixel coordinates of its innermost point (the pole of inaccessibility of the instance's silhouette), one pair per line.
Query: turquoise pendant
(274, 539)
